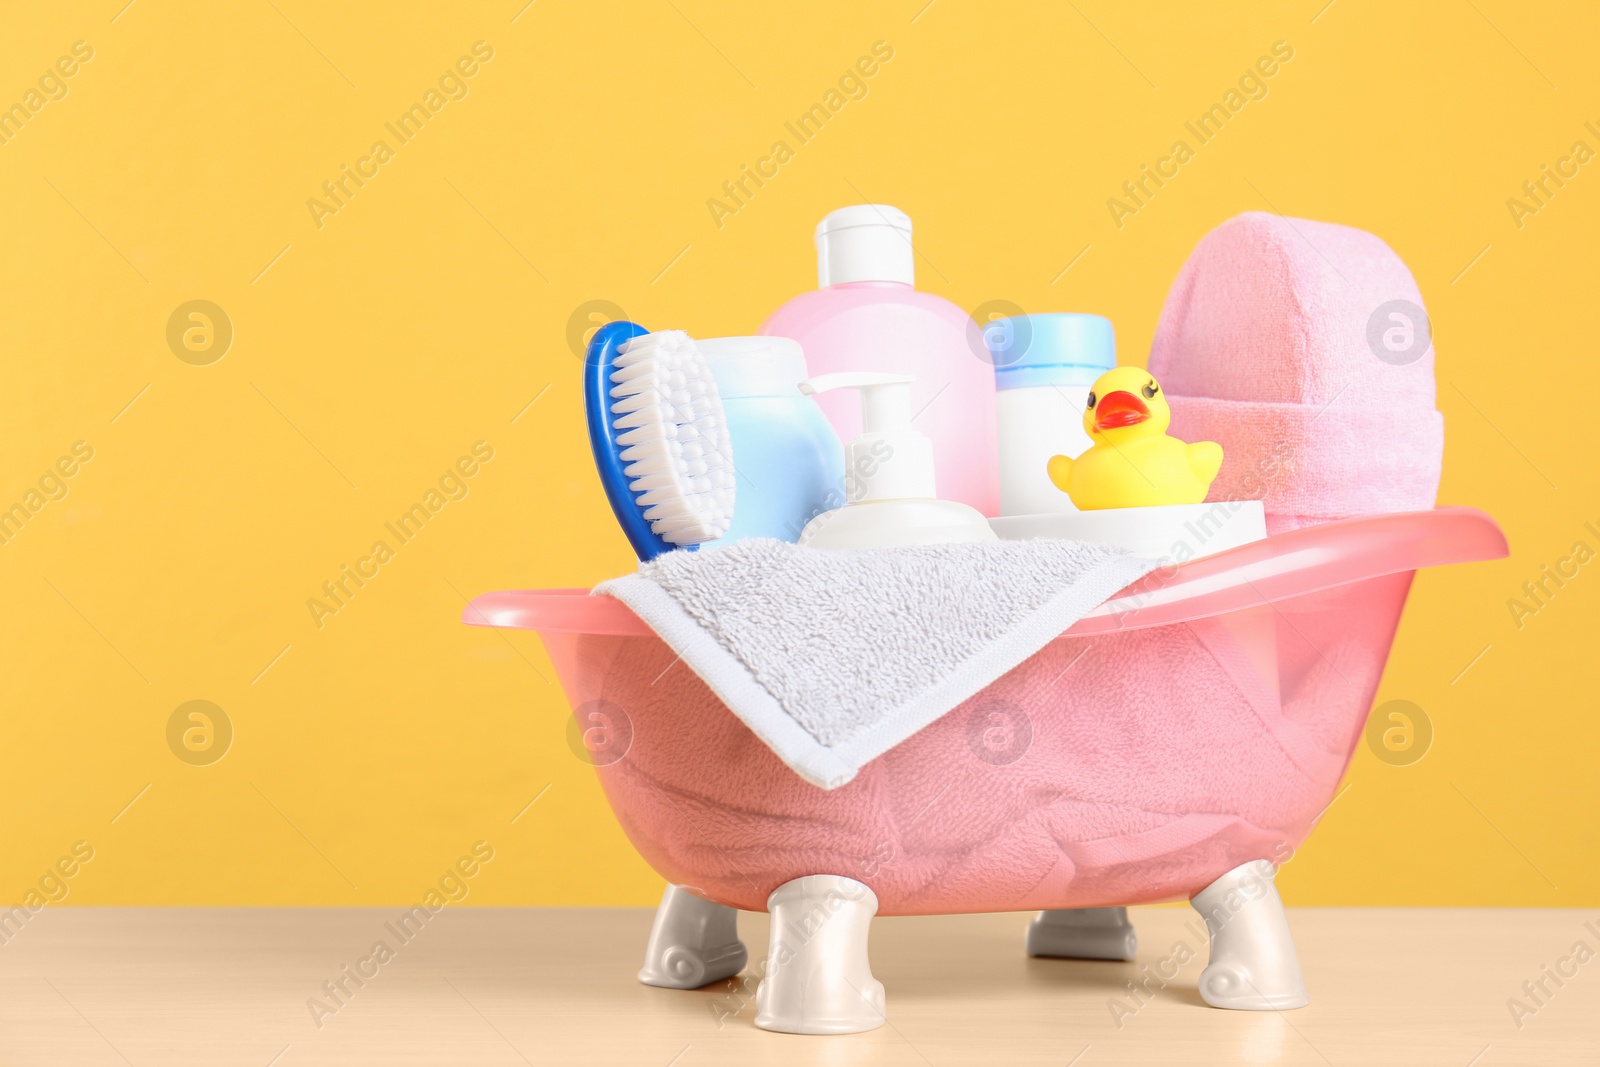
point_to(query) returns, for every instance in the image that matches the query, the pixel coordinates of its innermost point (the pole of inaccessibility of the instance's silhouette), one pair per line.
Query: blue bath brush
(660, 437)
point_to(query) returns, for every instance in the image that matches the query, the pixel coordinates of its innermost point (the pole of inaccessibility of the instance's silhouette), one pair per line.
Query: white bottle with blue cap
(1044, 366)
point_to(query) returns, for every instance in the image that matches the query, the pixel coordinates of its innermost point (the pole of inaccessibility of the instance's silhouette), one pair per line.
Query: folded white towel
(832, 657)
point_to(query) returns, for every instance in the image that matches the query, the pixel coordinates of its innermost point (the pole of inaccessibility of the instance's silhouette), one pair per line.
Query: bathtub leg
(1082, 934)
(817, 979)
(1253, 963)
(693, 943)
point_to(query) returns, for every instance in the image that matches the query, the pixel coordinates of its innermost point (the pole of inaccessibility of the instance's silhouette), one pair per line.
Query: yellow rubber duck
(1131, 462)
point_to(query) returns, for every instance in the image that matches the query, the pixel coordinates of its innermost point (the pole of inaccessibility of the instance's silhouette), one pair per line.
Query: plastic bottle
(1043, 368)
(788, 465)
(890, 477)
(867, 317)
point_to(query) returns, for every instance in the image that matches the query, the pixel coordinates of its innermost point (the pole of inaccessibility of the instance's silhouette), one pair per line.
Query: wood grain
(519, 986)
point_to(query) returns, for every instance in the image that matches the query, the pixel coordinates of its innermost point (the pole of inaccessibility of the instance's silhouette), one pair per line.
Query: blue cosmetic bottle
(789, 465)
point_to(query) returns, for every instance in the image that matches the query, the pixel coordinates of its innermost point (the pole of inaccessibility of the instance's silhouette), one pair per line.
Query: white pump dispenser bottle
(889, 482)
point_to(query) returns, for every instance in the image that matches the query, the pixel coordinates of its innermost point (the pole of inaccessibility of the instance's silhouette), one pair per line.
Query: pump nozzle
(889, 460)
(885, 398)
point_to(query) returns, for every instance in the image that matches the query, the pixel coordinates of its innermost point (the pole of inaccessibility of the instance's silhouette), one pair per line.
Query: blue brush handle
(597, 367)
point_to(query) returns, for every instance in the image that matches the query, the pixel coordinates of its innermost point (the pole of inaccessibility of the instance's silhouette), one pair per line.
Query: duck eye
(1151, 390)
(1091, 401)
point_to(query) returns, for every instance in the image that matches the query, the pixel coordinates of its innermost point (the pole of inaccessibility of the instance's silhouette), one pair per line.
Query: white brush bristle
(674, 437)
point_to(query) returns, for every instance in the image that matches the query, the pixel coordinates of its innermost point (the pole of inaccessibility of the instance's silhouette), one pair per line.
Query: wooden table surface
(537, 986)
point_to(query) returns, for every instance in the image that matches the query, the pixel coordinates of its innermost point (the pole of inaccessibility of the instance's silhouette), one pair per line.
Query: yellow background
(430, 311)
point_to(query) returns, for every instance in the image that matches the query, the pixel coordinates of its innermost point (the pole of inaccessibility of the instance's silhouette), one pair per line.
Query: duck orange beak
(1119, 409)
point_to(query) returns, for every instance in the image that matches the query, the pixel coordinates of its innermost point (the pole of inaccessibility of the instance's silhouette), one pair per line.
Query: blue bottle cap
(1050, 349)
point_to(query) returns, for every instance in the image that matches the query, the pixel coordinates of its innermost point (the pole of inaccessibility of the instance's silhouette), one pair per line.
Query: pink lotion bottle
(865, 316)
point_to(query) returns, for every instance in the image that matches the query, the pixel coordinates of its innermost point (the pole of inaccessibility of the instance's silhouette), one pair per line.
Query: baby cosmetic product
(889, 477)
(1044, 367)
(867, 317)
(659, 437)
(791, 467)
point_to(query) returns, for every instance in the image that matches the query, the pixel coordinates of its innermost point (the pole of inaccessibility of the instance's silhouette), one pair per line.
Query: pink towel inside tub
(1117, 769)
(1302, 348)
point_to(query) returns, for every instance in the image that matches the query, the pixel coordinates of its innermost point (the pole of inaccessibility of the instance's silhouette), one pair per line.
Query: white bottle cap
(865, 243)
(890, 460)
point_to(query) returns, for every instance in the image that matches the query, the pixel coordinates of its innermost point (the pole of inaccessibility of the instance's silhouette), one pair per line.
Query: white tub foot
(1253, 963)
(693, 943)
(1082, 934)
(817, 979)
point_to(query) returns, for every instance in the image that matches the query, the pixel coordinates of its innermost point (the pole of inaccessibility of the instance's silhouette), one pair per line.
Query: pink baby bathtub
(1194, 725)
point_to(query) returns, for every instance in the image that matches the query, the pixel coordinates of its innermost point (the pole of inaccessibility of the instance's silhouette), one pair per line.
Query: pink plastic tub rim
(1279, 568)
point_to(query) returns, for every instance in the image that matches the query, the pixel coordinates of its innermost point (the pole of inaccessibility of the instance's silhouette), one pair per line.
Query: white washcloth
(832, 657)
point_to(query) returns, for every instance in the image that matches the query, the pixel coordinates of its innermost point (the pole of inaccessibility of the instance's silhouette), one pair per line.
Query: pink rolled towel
(1302, 348)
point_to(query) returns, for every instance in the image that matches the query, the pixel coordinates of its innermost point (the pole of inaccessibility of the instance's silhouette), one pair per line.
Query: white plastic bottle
(1043, 368)
(888, 477)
